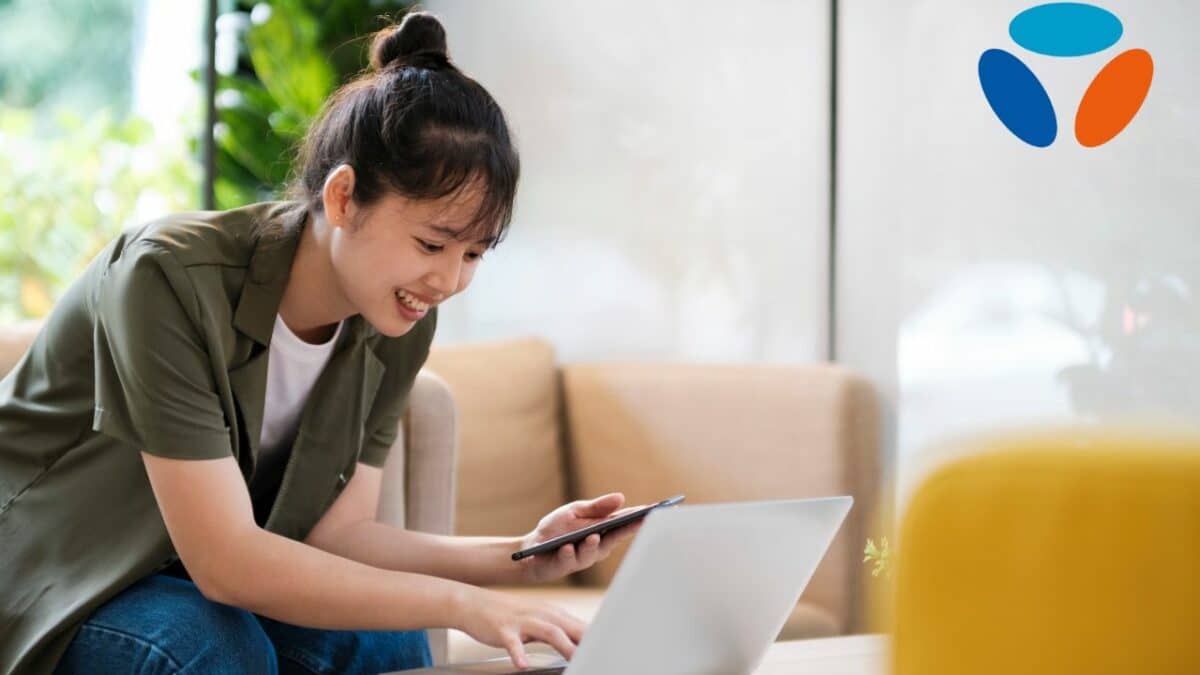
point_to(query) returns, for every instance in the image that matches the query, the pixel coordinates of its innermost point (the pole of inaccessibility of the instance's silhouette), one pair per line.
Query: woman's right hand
(508, 621)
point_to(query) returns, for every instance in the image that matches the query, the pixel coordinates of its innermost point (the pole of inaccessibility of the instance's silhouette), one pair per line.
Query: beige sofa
(534, 434)
(531, 435)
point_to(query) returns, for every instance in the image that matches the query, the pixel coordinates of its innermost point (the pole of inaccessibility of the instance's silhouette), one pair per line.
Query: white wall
(674, 203)
(983, 282)
(674, 196)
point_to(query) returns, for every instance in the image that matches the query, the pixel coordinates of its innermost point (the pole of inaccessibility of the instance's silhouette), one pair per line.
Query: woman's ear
(338, 195)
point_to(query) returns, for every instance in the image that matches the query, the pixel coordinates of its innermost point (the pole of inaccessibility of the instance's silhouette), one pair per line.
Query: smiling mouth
(411, 301)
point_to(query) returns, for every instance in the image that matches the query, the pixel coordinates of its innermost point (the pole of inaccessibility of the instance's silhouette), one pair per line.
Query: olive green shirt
(161, 346)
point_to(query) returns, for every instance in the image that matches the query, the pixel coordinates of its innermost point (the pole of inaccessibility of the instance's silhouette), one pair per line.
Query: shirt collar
(267, 274)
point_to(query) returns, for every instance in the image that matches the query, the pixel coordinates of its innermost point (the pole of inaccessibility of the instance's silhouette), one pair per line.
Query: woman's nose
(444, 276)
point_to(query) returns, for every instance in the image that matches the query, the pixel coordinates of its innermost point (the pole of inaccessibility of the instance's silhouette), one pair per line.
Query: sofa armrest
(419, 476)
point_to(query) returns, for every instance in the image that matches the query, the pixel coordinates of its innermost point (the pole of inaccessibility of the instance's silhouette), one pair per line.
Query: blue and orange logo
(1066, 29)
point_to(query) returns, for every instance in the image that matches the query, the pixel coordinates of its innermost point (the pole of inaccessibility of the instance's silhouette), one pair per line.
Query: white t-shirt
(292, 369)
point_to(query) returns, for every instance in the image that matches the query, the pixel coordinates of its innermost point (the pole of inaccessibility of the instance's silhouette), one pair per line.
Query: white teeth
(411, 302)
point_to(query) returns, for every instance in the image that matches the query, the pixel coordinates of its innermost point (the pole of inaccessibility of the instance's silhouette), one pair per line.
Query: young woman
(190, 451)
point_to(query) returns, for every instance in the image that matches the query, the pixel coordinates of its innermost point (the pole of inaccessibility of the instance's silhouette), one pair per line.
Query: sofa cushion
(510, 458)
(806, 621)
(726, 433)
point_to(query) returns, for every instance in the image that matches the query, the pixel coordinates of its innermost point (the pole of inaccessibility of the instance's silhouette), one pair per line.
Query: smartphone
(601, 527)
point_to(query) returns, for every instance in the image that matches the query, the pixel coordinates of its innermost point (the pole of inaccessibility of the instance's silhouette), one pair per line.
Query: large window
(96, 103)
(104, 122)
(989, 284)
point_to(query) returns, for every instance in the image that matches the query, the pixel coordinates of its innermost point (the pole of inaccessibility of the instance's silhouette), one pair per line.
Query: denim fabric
(163, 625)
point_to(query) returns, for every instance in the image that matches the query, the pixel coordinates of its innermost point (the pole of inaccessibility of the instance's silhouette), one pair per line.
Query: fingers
(571, 624)
(552, 635)
(595, 548)
(516, 652)
(573, 557)
(627, 509)
(589, 551)
(600, 506)
(613, 538)
(566, 557)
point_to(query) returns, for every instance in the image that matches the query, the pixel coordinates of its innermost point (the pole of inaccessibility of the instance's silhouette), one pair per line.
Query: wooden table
(853, 655)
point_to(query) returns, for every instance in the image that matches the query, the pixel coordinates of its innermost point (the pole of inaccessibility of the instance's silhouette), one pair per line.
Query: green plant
(292, 54)
(70, 185)
(880, 556)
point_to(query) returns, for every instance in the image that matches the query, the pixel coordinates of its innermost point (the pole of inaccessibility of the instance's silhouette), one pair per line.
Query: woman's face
(398, 257)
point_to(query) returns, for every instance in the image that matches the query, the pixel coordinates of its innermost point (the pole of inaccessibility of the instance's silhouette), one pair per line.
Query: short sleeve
(154, 378)
(377, 447)
(404, 360)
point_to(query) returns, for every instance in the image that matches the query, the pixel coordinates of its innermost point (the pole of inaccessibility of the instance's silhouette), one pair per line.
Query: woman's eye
(438, 248)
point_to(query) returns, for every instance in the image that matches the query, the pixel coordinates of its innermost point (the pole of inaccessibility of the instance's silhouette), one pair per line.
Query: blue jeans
(163, 625)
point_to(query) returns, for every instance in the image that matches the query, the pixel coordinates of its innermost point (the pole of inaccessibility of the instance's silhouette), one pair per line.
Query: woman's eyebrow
(450, 232)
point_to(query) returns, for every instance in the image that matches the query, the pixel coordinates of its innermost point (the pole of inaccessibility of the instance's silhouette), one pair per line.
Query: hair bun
(418, 40)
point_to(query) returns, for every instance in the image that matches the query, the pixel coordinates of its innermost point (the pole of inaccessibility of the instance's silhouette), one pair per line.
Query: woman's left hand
(571, 558)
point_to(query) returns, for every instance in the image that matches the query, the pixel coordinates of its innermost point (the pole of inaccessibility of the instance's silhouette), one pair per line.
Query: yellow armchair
(1066, 552)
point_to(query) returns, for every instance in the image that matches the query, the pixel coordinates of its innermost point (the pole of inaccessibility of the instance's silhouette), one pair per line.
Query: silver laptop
(703, 589)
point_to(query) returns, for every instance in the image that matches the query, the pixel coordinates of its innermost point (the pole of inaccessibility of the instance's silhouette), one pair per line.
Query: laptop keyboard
(542, 664)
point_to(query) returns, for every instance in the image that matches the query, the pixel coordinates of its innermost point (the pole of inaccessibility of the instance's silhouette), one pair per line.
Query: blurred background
(762, 182)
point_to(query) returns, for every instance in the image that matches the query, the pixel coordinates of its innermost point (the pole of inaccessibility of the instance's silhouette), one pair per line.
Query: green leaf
(248, 138)
(879, 555)
(295, 61)
(287, 60)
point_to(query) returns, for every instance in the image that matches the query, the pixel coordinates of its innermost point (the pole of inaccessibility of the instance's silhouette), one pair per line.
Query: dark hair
(416, 124)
